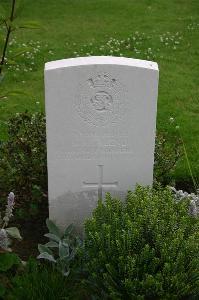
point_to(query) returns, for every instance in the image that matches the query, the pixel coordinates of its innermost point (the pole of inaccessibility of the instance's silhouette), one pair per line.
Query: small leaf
(13, 232)
(66, 273)
(69, 229)
(10, 62)
(63, 250)
(62, 264)
(20, 51)
(72, 254)
(46, 256)
(52, 227)
(52, 244)
(8, 260)
(52, 237)
(30, 25)
(65, 242)
(44, 248)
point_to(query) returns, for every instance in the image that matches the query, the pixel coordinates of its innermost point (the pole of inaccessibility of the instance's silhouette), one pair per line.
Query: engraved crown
(101, 80)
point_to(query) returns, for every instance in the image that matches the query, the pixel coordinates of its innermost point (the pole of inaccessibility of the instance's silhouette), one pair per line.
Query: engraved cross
(100, 184)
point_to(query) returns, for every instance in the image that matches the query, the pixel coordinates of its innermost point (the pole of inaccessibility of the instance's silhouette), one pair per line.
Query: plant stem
(9, 30)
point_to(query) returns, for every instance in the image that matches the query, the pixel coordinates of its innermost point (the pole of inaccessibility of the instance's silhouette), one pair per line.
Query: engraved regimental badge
(101, 100)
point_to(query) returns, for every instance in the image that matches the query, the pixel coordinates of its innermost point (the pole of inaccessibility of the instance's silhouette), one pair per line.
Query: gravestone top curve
(100, 60)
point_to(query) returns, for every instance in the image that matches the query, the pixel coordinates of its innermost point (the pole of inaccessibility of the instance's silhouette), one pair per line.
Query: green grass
(42, 282)
(76, 27)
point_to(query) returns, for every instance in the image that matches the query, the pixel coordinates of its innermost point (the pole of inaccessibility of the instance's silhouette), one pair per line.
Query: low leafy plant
(23, 166)
(61, 248)
(145, 248)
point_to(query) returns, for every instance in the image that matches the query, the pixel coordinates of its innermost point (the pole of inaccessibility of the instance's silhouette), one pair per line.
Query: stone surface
(101, 120)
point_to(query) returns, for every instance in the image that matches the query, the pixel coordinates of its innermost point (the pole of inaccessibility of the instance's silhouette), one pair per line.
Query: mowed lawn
(159, 30)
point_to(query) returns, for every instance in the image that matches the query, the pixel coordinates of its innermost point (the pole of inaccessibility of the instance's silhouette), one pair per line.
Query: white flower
(11, 199)
(171, 119)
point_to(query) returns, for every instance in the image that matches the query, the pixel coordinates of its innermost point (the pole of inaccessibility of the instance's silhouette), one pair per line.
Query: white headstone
(101, 120)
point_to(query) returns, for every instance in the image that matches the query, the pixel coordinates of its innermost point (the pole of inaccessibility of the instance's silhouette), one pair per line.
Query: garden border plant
(145, 248)
(23, 165)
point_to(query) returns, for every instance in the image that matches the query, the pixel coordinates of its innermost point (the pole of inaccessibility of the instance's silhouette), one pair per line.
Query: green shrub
(43, 282)
(145, 248)
(23, 166)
